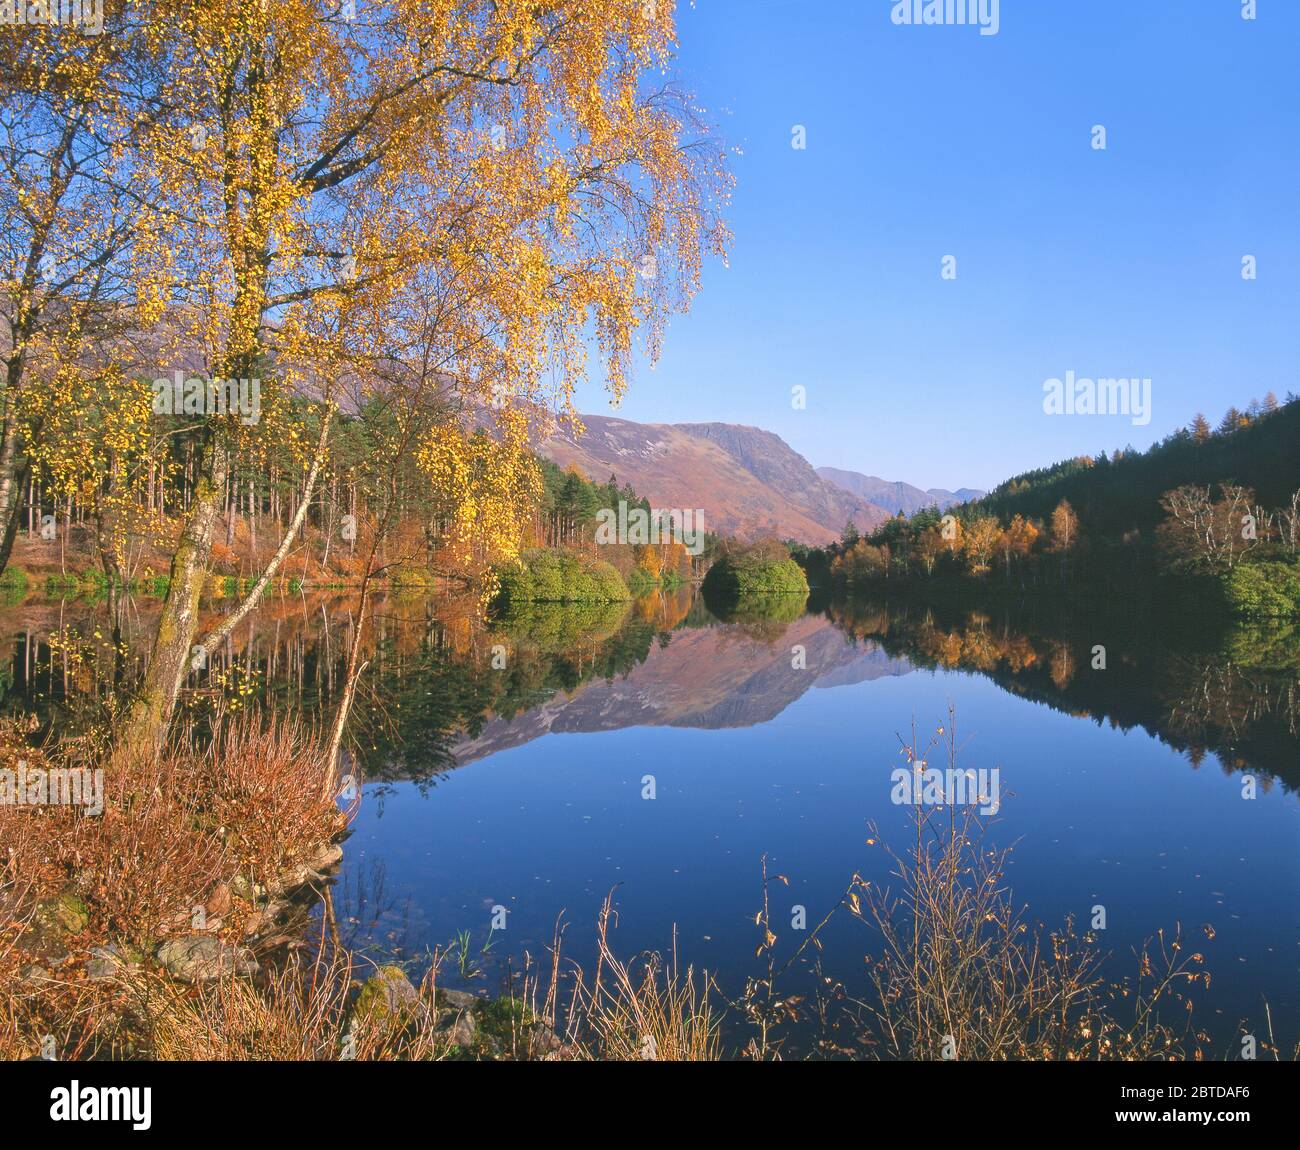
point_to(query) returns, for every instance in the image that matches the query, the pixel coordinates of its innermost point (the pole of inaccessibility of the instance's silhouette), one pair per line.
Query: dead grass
(644, 1010)
(171, 833)
(300, 1013)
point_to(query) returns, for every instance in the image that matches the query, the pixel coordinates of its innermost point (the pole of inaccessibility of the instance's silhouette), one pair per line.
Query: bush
(407, 577)
(13, 585)
(754, 573)
(560, 577)
(1267, 590)
(640, 581)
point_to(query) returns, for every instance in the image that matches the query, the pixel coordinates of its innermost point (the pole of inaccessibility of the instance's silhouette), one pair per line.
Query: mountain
(895, 497)
(748, 482)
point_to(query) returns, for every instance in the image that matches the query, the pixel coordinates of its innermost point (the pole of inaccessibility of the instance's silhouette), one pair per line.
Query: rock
(261, 921)
(106, 961)
(310, 870)
(543, 1042)
(329, 856)
(387, 994)
(464, 1031)
(202, 958)
(459, 999)
(63, 915)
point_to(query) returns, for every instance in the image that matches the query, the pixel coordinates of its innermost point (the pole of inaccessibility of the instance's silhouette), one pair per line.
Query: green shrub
(640, 581)
(560, 577)
(753, 573)
(13, 585)
(62, 584)
(1267, 590)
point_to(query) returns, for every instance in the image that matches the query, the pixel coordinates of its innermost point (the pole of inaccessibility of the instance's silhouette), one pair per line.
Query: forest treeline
(1212, 512)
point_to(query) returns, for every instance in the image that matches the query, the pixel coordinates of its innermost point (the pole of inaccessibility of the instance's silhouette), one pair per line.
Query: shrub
(755, 573)
(1269, 590)
(640, 581)
(409, 578)
(560, 577)
(13, 585)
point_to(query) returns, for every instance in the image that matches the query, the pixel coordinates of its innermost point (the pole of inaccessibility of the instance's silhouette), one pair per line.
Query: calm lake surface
(506, 766)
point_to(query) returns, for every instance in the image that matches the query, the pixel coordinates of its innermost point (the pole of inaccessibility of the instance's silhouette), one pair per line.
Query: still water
(661, 752)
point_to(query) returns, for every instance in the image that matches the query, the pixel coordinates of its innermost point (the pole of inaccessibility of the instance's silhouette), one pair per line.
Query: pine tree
(1200, 428)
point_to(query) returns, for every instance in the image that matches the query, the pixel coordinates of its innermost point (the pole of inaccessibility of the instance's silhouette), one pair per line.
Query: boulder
(463, 1032)
(244, 887)
(63, 915)
(387, 995)
(543, 1043)
(202, 958)
(328, 857)
(106, 961)
(459, 999)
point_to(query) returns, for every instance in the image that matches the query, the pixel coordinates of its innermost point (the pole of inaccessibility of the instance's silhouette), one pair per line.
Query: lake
(535, 764)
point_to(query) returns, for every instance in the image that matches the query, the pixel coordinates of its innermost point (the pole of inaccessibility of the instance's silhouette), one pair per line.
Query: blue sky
(924, 142)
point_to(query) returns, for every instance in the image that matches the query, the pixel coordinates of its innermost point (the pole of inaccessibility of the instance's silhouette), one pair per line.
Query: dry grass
(300, 1013)
(958, 973)
(962, 975)
(170, 834)
(642, 1011)
(151, 857)
(262, 786)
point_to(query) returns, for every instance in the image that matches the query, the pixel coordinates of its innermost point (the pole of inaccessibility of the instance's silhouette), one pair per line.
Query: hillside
(748, 482)
(896, 497)
(1117, 493)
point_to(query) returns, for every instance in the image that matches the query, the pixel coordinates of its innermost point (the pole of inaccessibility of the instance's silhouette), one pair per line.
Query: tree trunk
(169, 662)
(13, 474)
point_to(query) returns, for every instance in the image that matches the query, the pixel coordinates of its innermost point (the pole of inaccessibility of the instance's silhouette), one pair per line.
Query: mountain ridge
(748, 481)
(896, 496)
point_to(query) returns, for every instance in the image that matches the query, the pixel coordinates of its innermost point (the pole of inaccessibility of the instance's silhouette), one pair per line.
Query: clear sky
(924, 142)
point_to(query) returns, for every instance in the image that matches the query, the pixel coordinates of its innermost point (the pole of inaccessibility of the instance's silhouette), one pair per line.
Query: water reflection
(446, 687)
